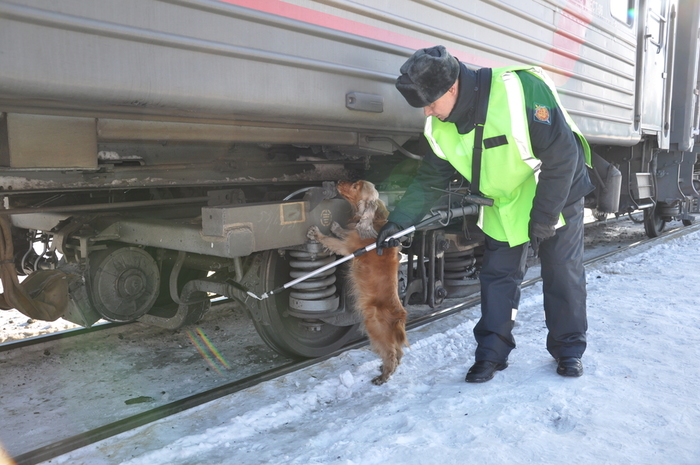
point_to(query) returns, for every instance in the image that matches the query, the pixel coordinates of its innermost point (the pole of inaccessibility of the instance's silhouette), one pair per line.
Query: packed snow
(637, 402)
(15, 326)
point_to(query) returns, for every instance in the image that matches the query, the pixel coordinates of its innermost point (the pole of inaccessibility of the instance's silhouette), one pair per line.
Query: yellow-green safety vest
(509, 172)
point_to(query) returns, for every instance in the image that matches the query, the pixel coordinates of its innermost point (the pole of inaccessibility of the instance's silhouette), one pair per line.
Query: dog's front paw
(337, 229)
(313, 233)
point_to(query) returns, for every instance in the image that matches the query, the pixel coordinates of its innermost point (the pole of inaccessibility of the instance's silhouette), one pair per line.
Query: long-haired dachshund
(373, 278)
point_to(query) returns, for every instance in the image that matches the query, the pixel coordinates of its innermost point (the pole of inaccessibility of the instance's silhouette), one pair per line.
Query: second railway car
(154, 153)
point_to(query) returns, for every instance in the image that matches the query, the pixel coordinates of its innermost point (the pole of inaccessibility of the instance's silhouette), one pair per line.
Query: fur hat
(427, 75)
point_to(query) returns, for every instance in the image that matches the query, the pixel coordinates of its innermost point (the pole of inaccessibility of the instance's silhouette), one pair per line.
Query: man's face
(442, 107)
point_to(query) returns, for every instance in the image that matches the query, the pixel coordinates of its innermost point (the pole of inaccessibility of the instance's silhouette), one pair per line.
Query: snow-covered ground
(15, 326)
(637, 403)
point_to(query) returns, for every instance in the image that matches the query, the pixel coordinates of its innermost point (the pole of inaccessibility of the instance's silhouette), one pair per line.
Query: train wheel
(289, 335)
(653, 223)
(123, 282)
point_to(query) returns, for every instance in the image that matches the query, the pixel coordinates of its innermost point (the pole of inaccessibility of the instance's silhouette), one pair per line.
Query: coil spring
(460, 268)
(317, 294)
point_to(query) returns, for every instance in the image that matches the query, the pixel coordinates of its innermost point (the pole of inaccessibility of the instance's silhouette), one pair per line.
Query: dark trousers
(564, 288)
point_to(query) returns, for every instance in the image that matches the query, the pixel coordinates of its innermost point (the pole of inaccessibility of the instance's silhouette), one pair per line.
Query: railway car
(156, 153)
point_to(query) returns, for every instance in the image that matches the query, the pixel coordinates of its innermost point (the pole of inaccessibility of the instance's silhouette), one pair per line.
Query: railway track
(275, 366)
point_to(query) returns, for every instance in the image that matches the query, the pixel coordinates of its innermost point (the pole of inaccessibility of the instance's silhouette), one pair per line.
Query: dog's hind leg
(400, 338)
(387, 336)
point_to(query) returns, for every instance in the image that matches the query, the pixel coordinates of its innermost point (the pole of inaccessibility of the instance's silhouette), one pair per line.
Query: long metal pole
(440, 215)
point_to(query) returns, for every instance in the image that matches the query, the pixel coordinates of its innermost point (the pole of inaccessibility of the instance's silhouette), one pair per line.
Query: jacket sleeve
(420, 195)
(555, 144)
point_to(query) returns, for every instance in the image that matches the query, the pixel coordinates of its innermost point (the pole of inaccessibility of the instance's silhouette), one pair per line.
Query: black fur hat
(427, 75)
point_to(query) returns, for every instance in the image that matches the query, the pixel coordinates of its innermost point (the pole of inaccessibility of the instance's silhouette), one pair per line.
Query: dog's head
(364, 198)
(358, 191)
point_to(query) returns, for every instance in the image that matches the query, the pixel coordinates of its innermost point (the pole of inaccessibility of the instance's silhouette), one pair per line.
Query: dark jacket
(563, 178)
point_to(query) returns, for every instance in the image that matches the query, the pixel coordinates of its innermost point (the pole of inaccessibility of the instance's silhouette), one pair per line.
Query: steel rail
(58, 335)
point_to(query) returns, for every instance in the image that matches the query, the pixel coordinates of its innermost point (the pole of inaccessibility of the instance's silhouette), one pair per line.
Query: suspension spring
(460, 268)
(316, 295)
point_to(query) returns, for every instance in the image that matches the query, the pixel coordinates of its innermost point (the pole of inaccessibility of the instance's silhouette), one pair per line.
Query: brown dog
(373, 278)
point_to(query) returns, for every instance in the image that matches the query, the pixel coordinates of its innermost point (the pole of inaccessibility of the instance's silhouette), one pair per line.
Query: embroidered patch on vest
(542, 114)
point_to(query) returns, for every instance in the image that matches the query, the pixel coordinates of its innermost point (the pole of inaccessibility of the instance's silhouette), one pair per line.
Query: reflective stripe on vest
(519, 126)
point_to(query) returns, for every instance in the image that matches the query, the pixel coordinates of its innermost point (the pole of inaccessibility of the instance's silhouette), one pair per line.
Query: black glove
(386, 232)
(539, 233)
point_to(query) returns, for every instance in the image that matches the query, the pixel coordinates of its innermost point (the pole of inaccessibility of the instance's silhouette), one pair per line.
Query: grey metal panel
(41, 141)
(227, 231)
(185, 236)
(138, 130)
(590, 55)
(193, 59)
(237, 242)
(150, 58)
(234, 231)
(276, 225)
(655, 70)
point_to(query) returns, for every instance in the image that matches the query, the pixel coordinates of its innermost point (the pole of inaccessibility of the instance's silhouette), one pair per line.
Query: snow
(16, 326)
(637, 402)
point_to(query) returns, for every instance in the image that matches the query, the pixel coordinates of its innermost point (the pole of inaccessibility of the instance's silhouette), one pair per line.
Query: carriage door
(656, 53)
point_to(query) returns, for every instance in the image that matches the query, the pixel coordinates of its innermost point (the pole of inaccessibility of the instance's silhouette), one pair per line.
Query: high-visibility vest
(509, 168)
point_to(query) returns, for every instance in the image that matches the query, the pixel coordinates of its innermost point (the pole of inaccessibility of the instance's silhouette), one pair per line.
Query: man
(505, 131)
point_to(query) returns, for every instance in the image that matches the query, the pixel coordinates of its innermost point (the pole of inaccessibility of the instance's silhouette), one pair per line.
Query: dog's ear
(366, 210)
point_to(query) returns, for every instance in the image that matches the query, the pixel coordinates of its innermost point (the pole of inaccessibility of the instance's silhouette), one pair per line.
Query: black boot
(483, 370)
(569, 366)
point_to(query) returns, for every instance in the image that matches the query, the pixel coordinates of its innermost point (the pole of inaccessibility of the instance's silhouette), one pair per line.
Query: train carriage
(171, 150)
